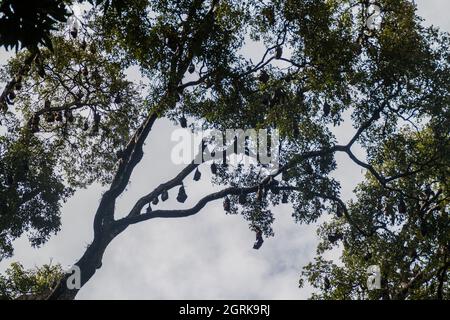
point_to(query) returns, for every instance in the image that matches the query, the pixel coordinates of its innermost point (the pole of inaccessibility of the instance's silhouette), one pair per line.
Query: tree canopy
(71, 117)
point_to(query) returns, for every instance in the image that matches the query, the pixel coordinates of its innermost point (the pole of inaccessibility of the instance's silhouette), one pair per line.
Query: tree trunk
(88, 264)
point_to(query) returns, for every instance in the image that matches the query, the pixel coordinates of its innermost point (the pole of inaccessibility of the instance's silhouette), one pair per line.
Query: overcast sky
(207, 256)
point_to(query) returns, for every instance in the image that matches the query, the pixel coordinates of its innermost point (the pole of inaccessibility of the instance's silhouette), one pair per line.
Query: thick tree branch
(131, 157)
(178, 180)
(186, 212)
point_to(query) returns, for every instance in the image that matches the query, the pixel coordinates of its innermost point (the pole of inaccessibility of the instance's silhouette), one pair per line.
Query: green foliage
(20, 284)
(87, 112)
(411, 245)
(28, 24)
(31, 192)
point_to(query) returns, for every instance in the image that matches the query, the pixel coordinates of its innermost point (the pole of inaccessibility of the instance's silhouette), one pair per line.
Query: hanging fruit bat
(264, 76)
(295, 130)
(272, 182)
(413, 253)
(183, 122)
(68, 115)
(275, 190)
(368, 256)
(224, 161)
(428, 191)
(259, 194)
(376, 116)
(278, 96)
(50, 117)
(423, 229)
(213, 168)
(86, 126)
(74, 30)
(41, 71)
(97, 118)
(96, 76)
(74, 33)
(333, 238)
(59, 116)
(288, 77)
(8, 100)
(285, 198)
(3, 106)
(85, 71)
(226, 204)
(326, 109)
(18, 86)
(191, 68)
(9, 180)
(93, 48)
(242, 199)
(34, 124)
(149, 209)
(259, 239)
(83, 45)
(80, 95)
(12, 95)
(96, 124)
(47, 104)
(339, 211)
(18, 81)
(265, 191)
(273, 185)
(279, 52)
(197, 175)
(269, 14)
(155, 201)
(326, 283)
(402, 206)
(25, 165)
(181, 197)
(172, 41)
(284, 176)
(266, 100)
(64, 131)
(118, 99)
(164, 195)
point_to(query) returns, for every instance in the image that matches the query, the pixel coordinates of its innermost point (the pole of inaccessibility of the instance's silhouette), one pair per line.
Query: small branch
(370, 168)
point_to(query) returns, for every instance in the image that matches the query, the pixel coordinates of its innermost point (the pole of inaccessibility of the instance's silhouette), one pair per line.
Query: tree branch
(186, 212)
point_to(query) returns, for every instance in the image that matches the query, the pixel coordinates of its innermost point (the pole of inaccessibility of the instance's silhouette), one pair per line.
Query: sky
(207, 256)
